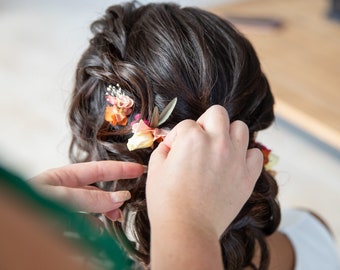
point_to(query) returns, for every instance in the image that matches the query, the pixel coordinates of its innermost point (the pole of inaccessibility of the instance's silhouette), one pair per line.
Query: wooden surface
(299, 48)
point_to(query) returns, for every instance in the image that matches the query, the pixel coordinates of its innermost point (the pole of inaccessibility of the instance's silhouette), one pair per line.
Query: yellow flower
(145, 132)
(140, 141)
(144, 136)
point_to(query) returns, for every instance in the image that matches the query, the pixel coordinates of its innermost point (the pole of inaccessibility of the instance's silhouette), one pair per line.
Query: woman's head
(155, 53)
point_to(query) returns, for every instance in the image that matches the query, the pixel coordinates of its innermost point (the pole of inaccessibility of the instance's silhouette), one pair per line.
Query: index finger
(82, 174)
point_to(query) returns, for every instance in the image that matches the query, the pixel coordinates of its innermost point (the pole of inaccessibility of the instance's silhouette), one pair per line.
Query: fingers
(239, 135)
(178, 131)
(115, 215)
(87, 200)
(215, 120)
(254, 161)
(162, 151)
(82, 174)
(164, 147)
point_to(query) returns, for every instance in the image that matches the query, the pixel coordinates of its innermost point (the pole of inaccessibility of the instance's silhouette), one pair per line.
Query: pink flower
(121, 101)
(124, 102)
(145, 133)
(137, 118)
(120, 109)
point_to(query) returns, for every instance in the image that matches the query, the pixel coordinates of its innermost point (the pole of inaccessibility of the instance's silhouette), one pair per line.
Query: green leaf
(167, 111)
(154, 118)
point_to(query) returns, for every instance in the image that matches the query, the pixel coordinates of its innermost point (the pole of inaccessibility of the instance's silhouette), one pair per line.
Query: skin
(207, 174)
(71, 184)
(204, 194)
(216, 177)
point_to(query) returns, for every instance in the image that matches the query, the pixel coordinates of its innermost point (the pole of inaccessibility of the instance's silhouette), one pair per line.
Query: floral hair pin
(119, 106)
(146, 133)
(269, 159)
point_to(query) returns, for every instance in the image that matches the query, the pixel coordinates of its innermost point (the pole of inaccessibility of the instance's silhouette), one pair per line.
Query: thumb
(163, 149)
(159, 155)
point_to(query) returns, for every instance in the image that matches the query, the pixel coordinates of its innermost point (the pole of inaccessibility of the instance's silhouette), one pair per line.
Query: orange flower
(119, 109)
(116, 116)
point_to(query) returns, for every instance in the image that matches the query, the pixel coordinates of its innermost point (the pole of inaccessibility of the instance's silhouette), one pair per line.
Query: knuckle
(218, 109)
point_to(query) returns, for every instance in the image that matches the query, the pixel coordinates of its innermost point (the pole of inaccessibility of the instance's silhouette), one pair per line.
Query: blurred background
(297, 42)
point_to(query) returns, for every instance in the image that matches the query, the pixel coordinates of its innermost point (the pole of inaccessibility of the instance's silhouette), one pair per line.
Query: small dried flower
(119, 106)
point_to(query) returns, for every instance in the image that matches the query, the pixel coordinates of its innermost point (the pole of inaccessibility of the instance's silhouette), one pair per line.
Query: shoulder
(313, 244)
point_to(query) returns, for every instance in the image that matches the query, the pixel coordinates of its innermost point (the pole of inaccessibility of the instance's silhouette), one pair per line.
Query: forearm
(184, 246)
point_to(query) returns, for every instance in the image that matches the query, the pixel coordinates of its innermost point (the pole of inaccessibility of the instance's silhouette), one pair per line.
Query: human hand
(70, 184)
(202, 173)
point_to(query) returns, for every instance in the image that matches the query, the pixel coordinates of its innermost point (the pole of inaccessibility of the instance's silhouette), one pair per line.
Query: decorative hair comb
(119, 106)
(146, 133)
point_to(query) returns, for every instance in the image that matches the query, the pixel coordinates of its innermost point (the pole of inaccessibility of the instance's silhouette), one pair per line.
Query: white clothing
(314, 246)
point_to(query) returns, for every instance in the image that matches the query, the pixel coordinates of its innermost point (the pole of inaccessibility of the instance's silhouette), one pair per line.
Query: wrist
(185, 244)
(175, 214)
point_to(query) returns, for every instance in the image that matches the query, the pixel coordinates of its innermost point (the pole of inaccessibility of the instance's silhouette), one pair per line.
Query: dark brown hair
(157, 52)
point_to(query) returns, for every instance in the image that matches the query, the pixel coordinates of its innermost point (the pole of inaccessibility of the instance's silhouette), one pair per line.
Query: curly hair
(157, 52)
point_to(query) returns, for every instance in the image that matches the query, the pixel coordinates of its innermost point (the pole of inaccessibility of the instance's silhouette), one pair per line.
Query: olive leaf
(154, 118)
(166, 112)
(158, 119)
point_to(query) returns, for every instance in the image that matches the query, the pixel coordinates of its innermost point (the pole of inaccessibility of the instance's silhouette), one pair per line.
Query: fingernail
(116, 215)
(145, 168)
(121, 196)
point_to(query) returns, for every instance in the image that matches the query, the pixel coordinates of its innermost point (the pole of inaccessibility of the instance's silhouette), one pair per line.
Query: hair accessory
(145, 133)
(119, 106)
(269, 159)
